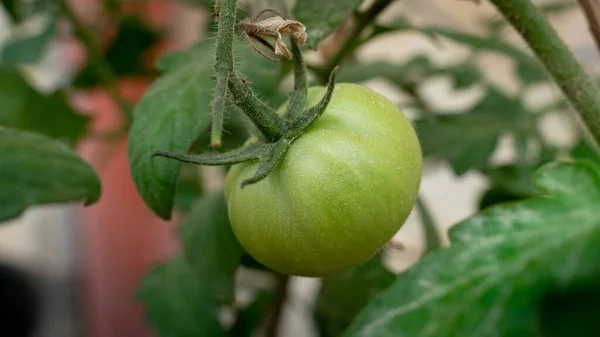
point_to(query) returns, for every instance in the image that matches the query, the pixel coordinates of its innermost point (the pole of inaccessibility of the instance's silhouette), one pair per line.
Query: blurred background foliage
(185, 296)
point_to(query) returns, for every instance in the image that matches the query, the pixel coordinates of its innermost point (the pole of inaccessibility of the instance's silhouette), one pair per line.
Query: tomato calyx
(269, 151)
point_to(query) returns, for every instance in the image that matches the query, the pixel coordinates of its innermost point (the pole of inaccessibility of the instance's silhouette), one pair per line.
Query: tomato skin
(344, 188)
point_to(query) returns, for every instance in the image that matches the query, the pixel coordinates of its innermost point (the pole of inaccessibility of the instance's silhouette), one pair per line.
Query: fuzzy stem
(265, 119)
(103, 69)
(580, 89)
(223, 68)
(298, 100)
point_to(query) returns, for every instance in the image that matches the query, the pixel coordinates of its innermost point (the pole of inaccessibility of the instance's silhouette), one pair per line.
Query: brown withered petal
(275, 27)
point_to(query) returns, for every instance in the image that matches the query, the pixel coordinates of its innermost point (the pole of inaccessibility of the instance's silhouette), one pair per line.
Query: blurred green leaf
(210, 245)
(529, 74)
(583, 150)
(528, 67)
(189, 187)
(321, 18)
(467, 140)
(344, 294)
(464, 75)
(411, 73)
(24, 108)
(37, 170)
(20, 10)
(253, 316)
(177, 303)
(125, 53)
(175, 112)
(402, 74)
(514, 178)
(29, 49)
(496, 195)
(500, 266)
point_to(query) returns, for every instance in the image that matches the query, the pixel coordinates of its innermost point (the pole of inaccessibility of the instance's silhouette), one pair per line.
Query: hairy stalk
(579, 88)
(306, 119)
(215, 159)
(263, 117)
(298, 100)
(363, 19)
(103, 70)
(223, 67)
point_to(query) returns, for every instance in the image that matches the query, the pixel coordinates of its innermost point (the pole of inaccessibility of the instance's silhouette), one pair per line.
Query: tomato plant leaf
(175, 112)
(501, 264)
(37, 170)
(210, 245)
(177, 303)
(445, 135)
(321, 23)
(24, 108)
(172, 114)
(343, 295)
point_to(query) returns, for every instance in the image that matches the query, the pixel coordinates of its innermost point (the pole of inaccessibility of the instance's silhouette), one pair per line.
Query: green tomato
(344, 188)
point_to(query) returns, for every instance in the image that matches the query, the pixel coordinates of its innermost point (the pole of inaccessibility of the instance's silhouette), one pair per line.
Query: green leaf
(497, 195)
(321, 18)
(175, 112)
(344, 294)
(445, 136)
(172, 114)
(36, 170)
(210, 245)
(253, 316)
(409, 74)
(29, 49)
(517, 179)
(502, 263)
(177, 303)
(24, 108)
(529, 69)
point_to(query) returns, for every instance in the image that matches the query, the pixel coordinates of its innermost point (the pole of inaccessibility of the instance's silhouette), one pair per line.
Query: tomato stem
(236, 156)
(579, 88)
(264, 117)
(298, 100)
(307, 118)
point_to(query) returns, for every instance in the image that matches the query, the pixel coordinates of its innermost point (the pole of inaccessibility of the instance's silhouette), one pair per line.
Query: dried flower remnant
(274, 27)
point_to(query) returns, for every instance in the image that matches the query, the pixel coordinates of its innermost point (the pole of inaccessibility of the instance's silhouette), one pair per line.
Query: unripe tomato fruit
(344, 188)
